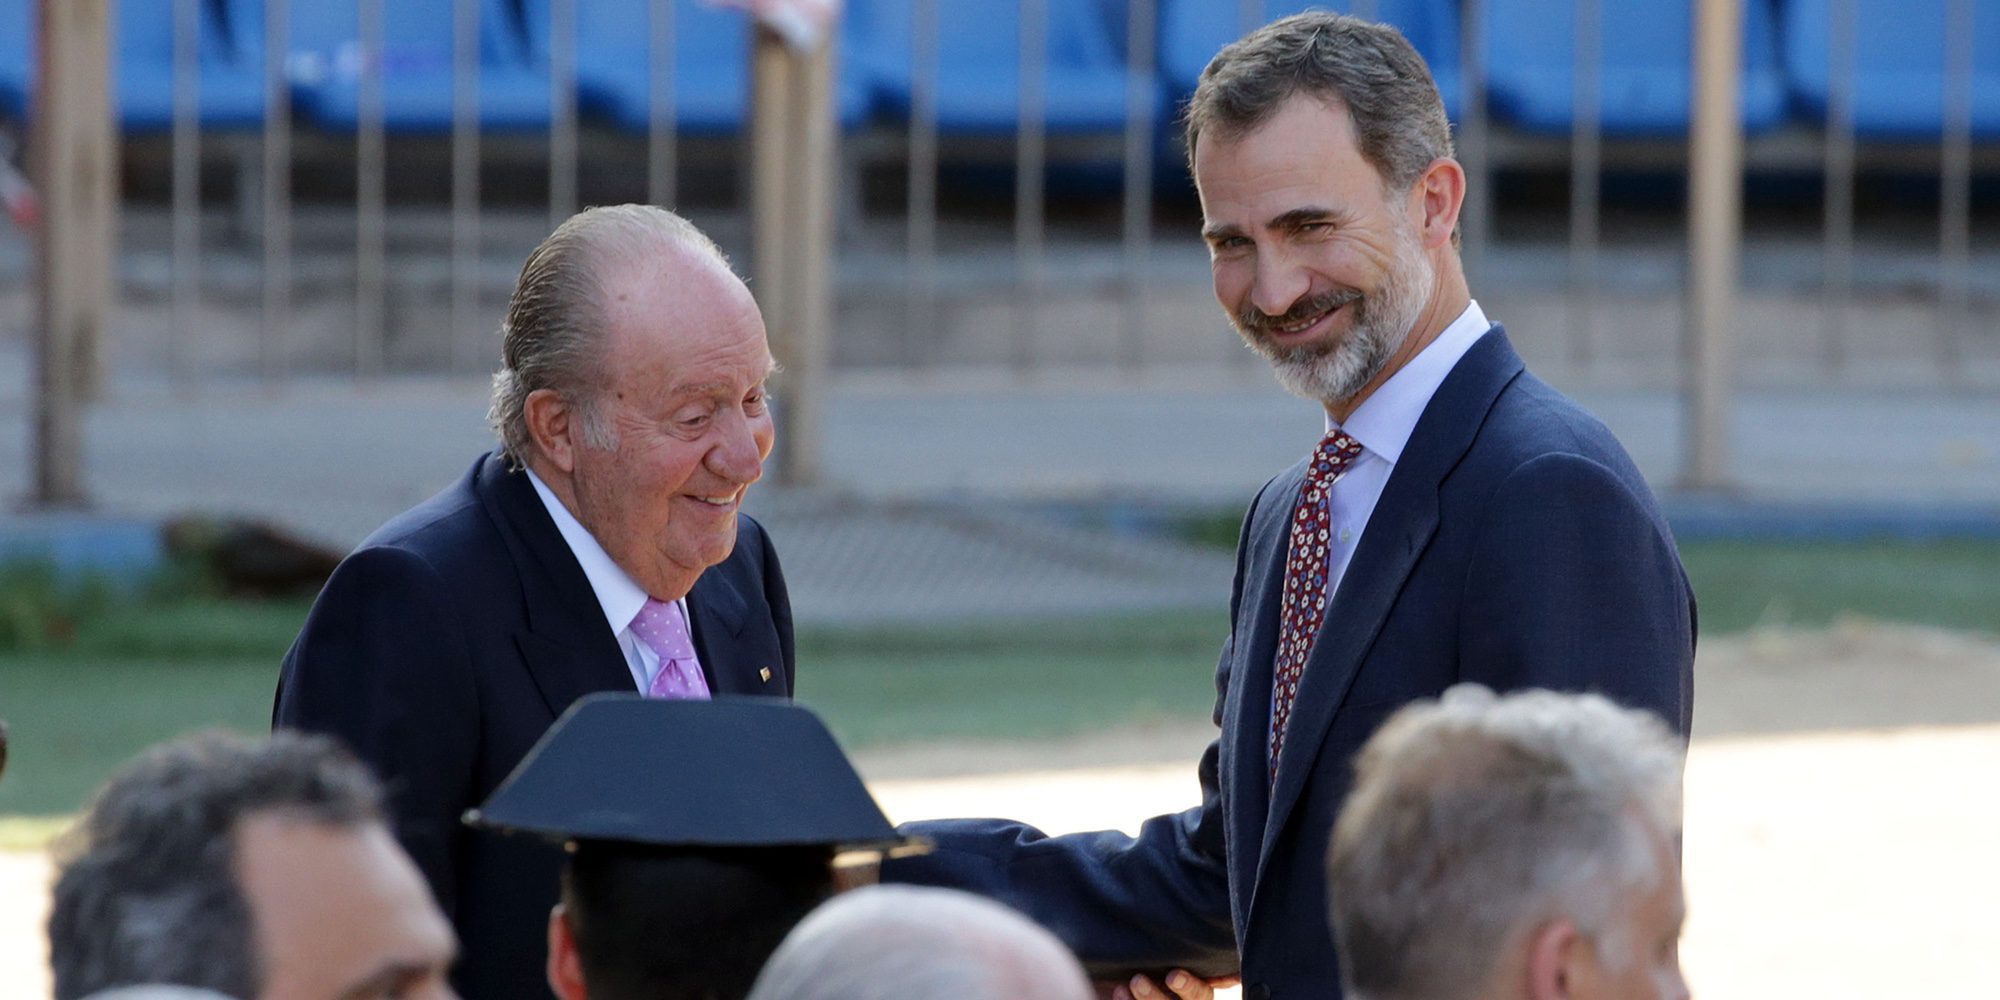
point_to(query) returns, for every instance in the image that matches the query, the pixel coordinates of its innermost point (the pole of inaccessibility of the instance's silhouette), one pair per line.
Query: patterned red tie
(1304, 606)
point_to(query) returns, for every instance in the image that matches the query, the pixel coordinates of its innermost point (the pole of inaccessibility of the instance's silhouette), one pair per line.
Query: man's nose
(738, 456)
(1279, 283)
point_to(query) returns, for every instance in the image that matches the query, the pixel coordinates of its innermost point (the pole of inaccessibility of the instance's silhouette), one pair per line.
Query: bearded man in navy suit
(1460, 521)
(600, 548)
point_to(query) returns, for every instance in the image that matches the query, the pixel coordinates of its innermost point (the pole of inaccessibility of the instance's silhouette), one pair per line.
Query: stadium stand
(1191, 31)
(1645, 81)
(324, 63)
(230, 87)
(711, 59)
(1899, 60)
(979, 64)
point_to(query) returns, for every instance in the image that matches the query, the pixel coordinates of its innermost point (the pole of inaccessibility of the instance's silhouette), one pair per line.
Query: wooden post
(75, 166)
(792, 187)
(1715, 232)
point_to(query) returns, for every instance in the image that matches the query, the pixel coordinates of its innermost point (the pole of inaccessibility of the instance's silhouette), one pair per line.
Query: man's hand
(1181, 985)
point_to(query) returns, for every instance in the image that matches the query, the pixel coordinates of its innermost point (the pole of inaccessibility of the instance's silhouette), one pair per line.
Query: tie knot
(663, 628)
(1335, 452)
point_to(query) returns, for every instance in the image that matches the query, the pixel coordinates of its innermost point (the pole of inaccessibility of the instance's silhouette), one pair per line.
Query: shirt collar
(620, 598)
(1384, 421)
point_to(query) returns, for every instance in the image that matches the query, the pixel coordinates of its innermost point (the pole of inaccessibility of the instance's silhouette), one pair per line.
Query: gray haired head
(911, 943)
(555, 331)
(1477, 818)
(1368, 68)
(146, 891)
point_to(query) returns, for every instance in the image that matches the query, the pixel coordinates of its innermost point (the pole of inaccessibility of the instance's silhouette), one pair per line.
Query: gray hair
(912, 943)
(1476, 818)
(1368, 68)
(146, 891)
(553, 336)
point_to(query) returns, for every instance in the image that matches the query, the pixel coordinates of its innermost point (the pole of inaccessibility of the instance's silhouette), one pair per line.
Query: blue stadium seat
(230, 90)
(1645, 81)
(1899, 60)
(1192, 31)
(324, 64)
(711, 82)
(979, 64)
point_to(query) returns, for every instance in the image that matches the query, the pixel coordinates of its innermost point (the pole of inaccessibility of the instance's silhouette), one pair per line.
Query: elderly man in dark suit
(1460, 521)
(600, 548)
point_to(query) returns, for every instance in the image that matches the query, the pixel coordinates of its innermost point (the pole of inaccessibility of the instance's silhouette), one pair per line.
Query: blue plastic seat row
(1644, 81)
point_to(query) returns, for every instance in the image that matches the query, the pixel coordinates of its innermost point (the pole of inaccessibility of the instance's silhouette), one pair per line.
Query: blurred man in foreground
(256, 870)
(681, 882)
(1459, 520)
(1516, 848)
(912, 943)
(601, 547)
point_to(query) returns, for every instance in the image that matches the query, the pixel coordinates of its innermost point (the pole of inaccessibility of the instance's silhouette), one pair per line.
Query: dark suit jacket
(443, 647)
(1514, 545)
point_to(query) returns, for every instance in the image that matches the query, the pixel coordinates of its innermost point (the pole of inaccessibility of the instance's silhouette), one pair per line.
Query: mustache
(1255, 320)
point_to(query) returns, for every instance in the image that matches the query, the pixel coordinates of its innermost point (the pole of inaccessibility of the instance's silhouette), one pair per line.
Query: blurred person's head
(261, 870)
(913, 943)
(632, 382)
(639, 922)
(1330, 200)
(1522, 847)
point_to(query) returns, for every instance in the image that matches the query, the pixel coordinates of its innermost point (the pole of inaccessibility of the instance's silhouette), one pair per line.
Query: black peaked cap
(727, 772)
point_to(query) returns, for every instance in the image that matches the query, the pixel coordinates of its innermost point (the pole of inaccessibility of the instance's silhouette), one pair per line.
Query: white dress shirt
(1383, 424)
(620, 598)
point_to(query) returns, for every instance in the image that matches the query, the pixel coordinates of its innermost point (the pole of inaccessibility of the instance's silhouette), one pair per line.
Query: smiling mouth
(726, 500)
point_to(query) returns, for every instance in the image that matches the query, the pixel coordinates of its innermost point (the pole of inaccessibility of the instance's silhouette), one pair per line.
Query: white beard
(1328, 375)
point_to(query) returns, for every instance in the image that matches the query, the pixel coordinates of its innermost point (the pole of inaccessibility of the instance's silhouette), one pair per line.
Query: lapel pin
(765, 673)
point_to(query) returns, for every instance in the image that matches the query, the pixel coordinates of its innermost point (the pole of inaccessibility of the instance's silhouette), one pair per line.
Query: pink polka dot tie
(1303, 608)
(664, 630)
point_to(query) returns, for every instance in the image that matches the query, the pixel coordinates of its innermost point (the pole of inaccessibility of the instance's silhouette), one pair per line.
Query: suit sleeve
(382, 665)
(1157, 901)
(1576, 585)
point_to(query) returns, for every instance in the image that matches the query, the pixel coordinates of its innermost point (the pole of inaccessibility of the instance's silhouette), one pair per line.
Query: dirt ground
(1842, 840)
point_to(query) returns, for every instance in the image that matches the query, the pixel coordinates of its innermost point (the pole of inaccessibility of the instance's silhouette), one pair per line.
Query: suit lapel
(568, 647)
(1250, 674)
(717, 610)
(1401, 526)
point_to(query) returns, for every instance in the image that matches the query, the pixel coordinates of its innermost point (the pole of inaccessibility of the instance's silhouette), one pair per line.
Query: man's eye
(756, 402)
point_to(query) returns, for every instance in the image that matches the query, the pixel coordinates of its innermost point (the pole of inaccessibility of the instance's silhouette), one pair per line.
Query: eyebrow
(389, 975)
(686, 389)
(1285, 220)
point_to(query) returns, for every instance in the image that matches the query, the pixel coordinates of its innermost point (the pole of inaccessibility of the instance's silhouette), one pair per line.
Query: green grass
(1024, 680)
(117, 675)
(1955, 584)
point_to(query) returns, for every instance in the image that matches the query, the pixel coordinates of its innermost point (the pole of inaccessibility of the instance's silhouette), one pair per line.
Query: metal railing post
(661, 112)
(562, 111)
(464, 184)
(1030, 164)
(1141, 86)
(1585, 165)
(186, 183)
(273, 362)
(370, 198)
(1715, 232)
(1955, 189)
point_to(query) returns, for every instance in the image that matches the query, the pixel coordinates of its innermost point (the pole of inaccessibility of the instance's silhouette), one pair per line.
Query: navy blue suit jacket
(1514, 545)
(444, 646)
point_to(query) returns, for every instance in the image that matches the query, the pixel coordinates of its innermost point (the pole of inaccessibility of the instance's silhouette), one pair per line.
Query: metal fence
(941, 266)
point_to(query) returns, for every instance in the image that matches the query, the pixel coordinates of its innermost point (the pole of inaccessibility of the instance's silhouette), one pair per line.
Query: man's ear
(1437, 197)
(565, 966)
(1556, 953)
(552, 426)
